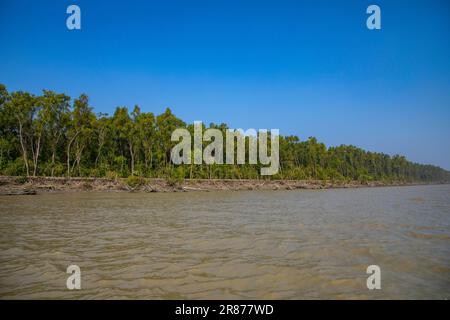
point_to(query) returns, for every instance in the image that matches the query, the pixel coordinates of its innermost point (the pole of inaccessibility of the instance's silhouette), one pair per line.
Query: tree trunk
(151, 158)
(148, 158)
(36, 156)
(98, 154)
(24, 150)
(54, 154)
(78, 156)
(132, 157)
(68, 152)
(101, 142)
(53, 163)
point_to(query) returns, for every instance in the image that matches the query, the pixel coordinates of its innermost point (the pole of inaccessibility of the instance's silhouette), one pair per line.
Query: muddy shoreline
(36, 185)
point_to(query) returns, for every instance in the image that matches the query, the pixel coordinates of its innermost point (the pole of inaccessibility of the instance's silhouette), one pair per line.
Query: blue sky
(309, 68)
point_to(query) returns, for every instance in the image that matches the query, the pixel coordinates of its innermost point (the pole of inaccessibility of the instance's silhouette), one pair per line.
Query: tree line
(51, 135)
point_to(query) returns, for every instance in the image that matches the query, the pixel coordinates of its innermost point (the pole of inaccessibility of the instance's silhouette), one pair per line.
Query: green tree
(80, 128)
(55, 117)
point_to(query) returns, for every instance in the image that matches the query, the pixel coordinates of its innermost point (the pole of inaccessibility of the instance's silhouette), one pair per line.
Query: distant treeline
(49, 135)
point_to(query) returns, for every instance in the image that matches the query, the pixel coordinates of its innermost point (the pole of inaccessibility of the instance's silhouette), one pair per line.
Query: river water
(302, 244)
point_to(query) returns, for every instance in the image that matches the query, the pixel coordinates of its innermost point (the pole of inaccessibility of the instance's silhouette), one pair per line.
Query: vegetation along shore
(51, 135)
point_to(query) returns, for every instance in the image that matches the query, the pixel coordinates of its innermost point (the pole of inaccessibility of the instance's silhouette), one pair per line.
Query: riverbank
(35, 185)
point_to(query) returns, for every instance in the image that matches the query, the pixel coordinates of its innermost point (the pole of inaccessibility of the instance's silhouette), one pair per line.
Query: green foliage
(51, 135)
(135, 181)
(22, 180)
(172, 181)
(15, 168)
(111, 175)
(364, 178)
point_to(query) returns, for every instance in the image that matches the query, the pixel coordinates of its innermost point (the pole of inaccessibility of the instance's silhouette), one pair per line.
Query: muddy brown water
(301, 244)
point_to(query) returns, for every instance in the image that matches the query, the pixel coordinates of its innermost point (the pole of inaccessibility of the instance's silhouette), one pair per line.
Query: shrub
(135, 181)
(15, 168)
(22, 180)
(364, 178)
(111, 174)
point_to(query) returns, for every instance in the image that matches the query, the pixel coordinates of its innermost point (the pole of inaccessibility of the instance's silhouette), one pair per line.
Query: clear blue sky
(309, 68)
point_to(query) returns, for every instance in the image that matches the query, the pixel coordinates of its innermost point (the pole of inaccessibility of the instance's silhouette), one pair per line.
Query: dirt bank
(36, 185)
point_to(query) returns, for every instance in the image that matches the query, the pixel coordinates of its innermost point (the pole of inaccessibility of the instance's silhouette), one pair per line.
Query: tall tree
(55, 114)
(22, 107)
(166, 124)
(145, 126)
(80, 129)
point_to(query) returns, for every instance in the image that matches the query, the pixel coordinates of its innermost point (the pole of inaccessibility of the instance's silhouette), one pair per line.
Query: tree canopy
(49, 135)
